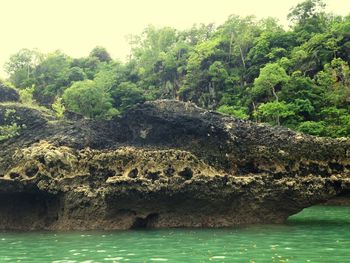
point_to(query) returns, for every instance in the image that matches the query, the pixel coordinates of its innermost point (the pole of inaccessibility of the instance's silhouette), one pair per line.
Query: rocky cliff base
(162, 164)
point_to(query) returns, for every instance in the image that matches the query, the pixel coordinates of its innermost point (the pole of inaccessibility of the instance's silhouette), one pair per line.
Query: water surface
(318, 234)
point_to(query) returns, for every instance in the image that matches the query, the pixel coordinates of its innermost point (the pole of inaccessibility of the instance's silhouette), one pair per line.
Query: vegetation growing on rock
(164, 164)
(8, 124)
(252, 69)
(8, 93)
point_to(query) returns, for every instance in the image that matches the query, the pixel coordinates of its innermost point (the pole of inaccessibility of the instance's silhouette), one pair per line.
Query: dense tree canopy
(89, 99)
(249, 68)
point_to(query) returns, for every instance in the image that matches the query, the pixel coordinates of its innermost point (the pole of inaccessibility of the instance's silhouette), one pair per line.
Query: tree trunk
(230, 51)
(242, 56)
(278, 116)
(254, 110)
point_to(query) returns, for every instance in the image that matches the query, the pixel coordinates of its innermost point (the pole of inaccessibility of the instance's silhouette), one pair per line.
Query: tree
(101, 54)
(309, 18)
(270, 80)
(305, 11)
(198, 34)
(21, 66)
(76, 74)
(269, 47)
(273, 111)
(241, 32)
(337, 121)
(90, 65)
(335, 81)
(126, 95)
(248, 68)
(51, 77)
(306, 97)
(196, 86)
(153, 55)
(88, 99)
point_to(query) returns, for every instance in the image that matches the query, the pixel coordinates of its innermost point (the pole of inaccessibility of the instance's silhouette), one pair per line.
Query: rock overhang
(168, 164)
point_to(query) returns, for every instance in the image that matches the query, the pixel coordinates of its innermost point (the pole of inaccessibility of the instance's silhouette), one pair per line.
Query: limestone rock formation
(8, 94)
(162, 164)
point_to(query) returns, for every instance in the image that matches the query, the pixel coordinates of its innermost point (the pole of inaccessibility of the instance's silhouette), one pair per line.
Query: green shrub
(12, 129)
(238, 112)
(9, 131)
(312, 127)
(58, 108)
(89, 99)
(26, 95)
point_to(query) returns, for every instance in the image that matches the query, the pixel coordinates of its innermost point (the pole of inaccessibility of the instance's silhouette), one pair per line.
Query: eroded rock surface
(8, 94)
(162, 164)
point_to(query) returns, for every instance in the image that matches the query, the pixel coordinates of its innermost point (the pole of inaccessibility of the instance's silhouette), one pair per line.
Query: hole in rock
(335, 166)
(31, 171)
(41, 159)
(133, 173)
(187, 173)
(15, 175)
(147, 222)
(102, 172)
(169, 171)
(248, 167)
(277, 176)
(152, 175)
(92, 170)
(58, 164)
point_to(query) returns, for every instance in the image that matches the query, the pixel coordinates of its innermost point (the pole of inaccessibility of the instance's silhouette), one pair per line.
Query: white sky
(77, 26)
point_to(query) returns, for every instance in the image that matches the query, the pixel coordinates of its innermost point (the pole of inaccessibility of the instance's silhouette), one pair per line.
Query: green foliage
(272, 111)
(58, 108)
(101, 54)
(309, 18)
(306, 10)
(106, 80)
(90, 100)
(270, 77)
(51, 77)
(21, 67)
(9, 131)
(10, 128)
(312, 128)
(126, 95)
(337, 121)
(335, 82)
(240, 113)
(248, 68)
(26, 95)
(76, 74)
(302, 107)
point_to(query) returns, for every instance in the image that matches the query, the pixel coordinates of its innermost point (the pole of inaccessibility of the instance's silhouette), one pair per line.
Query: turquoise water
(318, 234)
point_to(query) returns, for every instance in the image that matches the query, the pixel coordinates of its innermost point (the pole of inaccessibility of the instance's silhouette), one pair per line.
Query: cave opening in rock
(328, 211)
(343, 198)
(147, 222)
(28, 210)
